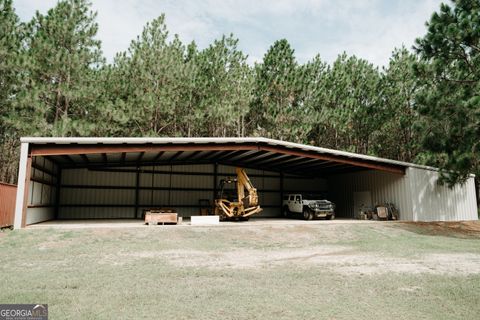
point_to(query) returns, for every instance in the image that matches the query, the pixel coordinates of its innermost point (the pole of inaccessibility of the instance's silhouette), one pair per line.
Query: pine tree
(10, 50)
(449, 99)
(313, 122)
(354, 102)
(11, 54)
(275, 109)
(59, 89)
(149, 88)
(398, 137)
(224, 86)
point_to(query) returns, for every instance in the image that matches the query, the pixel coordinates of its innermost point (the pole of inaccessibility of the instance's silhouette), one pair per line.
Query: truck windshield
(313, 196)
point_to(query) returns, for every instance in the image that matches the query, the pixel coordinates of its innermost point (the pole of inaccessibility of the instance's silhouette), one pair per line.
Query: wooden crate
(161, 216)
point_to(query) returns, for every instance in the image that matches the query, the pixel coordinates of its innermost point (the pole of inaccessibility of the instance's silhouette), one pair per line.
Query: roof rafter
(270, 151)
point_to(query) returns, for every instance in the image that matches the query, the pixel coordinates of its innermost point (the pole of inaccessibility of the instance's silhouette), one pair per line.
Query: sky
(370, 29)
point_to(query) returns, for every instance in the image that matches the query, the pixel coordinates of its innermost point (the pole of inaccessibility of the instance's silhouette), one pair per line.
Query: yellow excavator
(239, 207)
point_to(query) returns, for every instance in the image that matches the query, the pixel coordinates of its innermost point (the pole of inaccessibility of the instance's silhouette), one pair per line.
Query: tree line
(424, 106)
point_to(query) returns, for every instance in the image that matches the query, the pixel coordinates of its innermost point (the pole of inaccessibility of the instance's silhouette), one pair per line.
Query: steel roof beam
(105, 158)
(85, 158)
(48, 149)
(265, 156)
(140, 157)
(323, 171)
(328, 157)
(68, 159)
(175, 156)
(132, 164)
(210, 154)
(246, 154)
(268, 160)
(229, 155)
(320, 165)
(158, 156)
(297, 161)
(192, 155)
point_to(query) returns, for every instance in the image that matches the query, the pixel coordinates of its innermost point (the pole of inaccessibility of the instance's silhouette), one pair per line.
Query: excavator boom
(246, 204)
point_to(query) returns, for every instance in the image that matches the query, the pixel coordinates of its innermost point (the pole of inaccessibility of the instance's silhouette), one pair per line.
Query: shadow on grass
(454, 229)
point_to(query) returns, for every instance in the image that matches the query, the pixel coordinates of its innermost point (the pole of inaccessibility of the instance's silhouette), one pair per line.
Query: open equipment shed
(109, 178)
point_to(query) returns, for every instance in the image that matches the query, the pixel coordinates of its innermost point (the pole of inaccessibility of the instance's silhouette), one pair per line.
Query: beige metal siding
(96, 213)
(434, 202)
(384, 187)
(159, 177)
(295, 184)
(97, 178)
(36, 215)
(42, 191)
(101, 196)
(417, 195)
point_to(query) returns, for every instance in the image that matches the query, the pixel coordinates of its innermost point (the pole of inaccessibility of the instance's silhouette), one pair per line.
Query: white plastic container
(204, 220)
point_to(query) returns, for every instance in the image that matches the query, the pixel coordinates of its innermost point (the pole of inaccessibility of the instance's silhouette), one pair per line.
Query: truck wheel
(331, 217)
(286, 212)
(307, 215)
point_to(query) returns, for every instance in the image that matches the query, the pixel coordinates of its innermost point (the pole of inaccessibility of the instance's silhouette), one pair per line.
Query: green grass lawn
(321, 271)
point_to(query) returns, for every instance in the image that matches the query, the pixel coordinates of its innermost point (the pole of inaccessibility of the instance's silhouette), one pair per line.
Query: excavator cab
(227, 193)
(238, 205)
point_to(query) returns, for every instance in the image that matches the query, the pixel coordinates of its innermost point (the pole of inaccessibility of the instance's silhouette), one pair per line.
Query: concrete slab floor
(136, 223)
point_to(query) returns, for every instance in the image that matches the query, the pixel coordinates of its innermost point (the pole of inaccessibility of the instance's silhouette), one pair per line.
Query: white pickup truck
(307, 207)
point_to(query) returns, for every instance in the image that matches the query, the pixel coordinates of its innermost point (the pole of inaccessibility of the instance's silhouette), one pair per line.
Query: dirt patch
(53, 242)
(460, 229)
(104, 232)
(444, 264)
(338, 259)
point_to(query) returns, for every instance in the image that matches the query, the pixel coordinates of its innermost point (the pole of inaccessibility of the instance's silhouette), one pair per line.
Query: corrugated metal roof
(166, 141)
